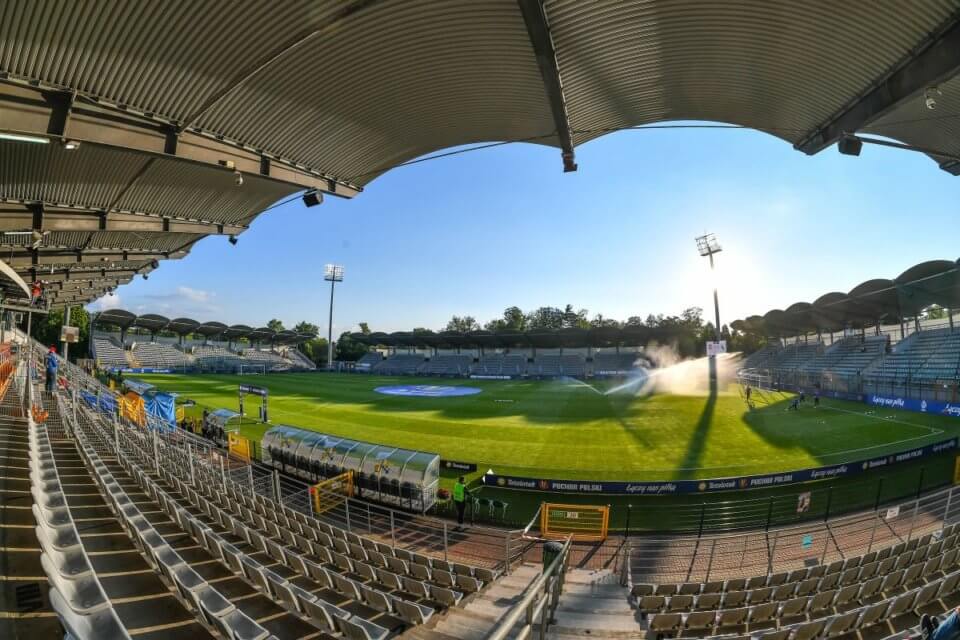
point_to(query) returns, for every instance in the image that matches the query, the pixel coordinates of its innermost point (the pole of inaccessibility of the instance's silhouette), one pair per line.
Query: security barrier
(239, 446)
(332, 492)
(586, 523)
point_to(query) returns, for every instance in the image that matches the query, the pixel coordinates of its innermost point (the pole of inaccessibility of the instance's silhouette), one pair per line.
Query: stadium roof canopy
(125, 128)
(183, 326)
(936, 282)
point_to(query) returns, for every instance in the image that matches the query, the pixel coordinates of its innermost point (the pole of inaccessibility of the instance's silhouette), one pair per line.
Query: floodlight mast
(332, 273)
(707, 245)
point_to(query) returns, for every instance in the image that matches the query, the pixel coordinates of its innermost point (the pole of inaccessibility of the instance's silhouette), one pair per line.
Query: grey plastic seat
(758, 596)
(212, 605)
(840, 624)
(100, 625)
(418, 571)
(733, 599)
(446, 597)
(238, 626)
(776, 579)
(772, 634)
(756, 582)
(469, 584)
(846, 595)
(873, 614)
(732, 617)
(680, 603)
(926, 594)
(707, 601)
(807, 586)
(651, 604)
(793, 608)
(689, 589)
(83, 595)
(700, 620)
(376, 599)
(902, 604)
(762, 612)
(784, 591)
(869, 589)
(666, 622)
(412, 612)
(357, 628)
(821, 602)
(347, 587)
(393, 582)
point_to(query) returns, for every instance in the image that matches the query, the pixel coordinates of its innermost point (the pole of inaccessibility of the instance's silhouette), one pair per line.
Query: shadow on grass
(698, 440)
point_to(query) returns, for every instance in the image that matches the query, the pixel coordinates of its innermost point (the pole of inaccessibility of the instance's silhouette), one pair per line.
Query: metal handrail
(539, 601)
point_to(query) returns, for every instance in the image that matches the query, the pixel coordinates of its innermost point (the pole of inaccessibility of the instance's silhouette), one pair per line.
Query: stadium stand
(501, 365)
(399, 364)
(452, 365)
(556, 365)
(844, 596)
(271, 360)
(369, 359)
(299, 360)
(614, 363)
(762, 358)
(849, 355)
(207, 554)
(108, 353)
(924, 356)
(793, 356)
(159, 355)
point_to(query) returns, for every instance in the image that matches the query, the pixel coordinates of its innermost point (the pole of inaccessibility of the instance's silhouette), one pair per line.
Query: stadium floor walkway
(25, 611)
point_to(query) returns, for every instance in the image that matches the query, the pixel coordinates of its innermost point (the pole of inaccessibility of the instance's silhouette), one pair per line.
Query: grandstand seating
(613, 363)
(762, 358)
(793, 356)
(399, 364)
(216, 357)
(925, 356)
(227, 560)
(299, 360)
(499, 364)
(818, 601)
(271, 360)
(848, 356)
(555, 365)
(109, 353)
(158, 355)
(450, 365)
(369, 359)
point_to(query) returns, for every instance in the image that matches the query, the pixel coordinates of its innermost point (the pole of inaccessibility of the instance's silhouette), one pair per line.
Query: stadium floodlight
(332, 273)
(708, 245)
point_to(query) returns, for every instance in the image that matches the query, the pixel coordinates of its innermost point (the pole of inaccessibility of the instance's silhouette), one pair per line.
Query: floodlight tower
(332, 273)
(707, 245)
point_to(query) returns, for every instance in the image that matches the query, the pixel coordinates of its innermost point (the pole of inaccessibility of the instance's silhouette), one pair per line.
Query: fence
(712, 557)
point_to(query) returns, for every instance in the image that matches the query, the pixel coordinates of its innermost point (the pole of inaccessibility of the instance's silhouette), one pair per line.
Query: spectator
(460, 495)
(51, 368)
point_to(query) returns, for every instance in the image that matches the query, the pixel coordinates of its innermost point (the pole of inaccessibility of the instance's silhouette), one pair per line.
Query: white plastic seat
(356, 628)
(100, 625)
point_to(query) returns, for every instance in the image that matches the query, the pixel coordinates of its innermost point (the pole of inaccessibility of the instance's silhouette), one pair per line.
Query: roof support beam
(538, 27)
(61, 102)
(84, 219)
(939, 60)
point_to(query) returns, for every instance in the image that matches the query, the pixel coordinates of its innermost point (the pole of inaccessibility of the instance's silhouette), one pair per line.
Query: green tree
(275, 325)
(347, 349)
(305, 327)
(463, 324)
(46, 330)
(365, 328)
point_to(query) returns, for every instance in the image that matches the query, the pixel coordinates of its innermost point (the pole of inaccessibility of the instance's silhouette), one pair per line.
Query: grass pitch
(568, 429)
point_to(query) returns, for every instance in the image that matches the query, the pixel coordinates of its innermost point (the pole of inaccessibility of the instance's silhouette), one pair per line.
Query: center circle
(426, 390)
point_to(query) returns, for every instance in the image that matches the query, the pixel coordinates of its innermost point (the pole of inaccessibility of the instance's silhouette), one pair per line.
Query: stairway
(594, 604)
(474, 619)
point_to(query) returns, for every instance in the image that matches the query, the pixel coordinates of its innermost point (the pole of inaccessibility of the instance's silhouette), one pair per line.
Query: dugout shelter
(219, 422)
(402, 477)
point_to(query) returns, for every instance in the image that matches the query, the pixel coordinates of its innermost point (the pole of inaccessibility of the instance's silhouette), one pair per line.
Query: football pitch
(570, 429)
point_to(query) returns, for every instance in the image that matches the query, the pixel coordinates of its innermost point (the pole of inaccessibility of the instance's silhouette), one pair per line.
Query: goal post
(332, 492)
(755, 378)
(253, 369)
(586, 523)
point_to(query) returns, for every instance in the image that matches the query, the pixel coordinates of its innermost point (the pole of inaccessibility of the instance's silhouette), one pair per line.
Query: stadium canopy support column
(66, 322)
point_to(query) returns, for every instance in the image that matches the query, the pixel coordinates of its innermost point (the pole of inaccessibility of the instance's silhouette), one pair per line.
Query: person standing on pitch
(51, 368)
(460, 494)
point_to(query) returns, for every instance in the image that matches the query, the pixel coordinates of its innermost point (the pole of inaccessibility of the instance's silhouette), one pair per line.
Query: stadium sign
(139, 370)
(459, 466)
(717, 484)
(253, 390)
(914, 404)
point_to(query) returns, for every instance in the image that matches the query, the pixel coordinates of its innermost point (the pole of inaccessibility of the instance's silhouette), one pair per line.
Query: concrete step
(586, 603)
(604, 625)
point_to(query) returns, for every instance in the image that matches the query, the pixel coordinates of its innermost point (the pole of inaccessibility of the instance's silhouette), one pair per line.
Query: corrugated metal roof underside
(780, 67)
(912, 122)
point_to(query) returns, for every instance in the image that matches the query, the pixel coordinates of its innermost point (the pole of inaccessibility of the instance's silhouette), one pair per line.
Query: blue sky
(475, 233)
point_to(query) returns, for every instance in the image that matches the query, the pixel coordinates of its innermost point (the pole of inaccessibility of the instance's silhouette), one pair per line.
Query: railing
(538, 604)
(712, 557)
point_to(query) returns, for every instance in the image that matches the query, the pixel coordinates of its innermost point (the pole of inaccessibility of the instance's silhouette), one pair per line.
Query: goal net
(755, 379)
(253, 369)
